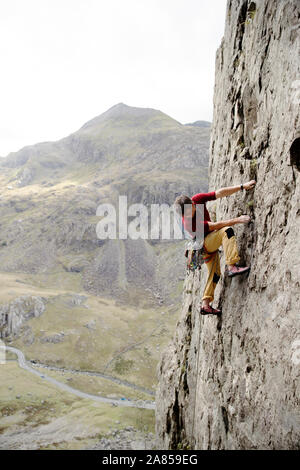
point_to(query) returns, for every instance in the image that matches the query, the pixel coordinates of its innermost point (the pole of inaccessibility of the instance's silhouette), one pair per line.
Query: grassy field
(96, 385)
(36, 415)
(99, 335)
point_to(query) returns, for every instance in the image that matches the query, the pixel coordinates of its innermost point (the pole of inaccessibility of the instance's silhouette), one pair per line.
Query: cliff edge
(233, 382)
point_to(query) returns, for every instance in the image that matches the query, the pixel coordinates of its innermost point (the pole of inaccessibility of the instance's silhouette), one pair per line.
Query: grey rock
(28, 337)
(55, 338)
(25, 176)
(15, 313)
(125, 439)
(231, 383)
(91, 325)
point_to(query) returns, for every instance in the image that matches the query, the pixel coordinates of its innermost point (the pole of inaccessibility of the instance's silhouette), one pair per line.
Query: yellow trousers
(225, 237)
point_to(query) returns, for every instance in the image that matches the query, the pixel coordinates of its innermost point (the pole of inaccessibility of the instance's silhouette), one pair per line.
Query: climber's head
(185, 206)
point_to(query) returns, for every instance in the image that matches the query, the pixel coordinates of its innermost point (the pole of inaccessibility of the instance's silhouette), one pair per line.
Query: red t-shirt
(200, 198)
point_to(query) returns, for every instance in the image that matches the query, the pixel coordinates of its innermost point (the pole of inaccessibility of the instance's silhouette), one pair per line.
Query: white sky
(63, 62)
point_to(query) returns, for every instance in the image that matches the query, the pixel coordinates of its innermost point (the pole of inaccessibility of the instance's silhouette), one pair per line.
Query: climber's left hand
(250, 184)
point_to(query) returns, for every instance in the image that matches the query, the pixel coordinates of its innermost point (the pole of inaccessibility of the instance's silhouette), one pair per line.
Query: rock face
(14, 314)
(231, 383)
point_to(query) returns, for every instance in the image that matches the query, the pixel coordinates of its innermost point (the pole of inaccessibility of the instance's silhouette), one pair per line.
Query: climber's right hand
(244, 219)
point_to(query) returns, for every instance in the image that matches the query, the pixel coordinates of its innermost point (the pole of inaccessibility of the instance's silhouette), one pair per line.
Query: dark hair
(180, 201)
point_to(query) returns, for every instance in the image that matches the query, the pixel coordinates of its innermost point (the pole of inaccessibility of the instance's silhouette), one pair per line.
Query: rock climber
(215, 235)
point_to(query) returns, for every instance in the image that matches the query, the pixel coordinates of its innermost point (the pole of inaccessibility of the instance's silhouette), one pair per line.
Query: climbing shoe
(210, 310)
(237, 270)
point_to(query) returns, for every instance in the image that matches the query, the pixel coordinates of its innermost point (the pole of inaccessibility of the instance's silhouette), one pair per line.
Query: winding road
(111, 378)
(117, 402)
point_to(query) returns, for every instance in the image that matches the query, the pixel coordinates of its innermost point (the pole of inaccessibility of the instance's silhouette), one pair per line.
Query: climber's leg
(212, 242)
(231, 252)
(229, 245)
(225, 237)
(214, 273)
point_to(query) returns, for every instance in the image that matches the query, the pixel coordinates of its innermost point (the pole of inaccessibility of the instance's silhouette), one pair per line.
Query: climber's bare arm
(223, 192)
(243, 219)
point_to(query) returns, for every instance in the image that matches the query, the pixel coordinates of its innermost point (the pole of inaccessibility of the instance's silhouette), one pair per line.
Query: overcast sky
(64, 62)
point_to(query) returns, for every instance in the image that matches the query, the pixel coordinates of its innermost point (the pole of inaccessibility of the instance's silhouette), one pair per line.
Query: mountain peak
(122, 111)
(199, 124)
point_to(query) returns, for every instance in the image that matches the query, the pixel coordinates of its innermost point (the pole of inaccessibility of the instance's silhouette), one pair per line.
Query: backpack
(195, 254)
(195, 251)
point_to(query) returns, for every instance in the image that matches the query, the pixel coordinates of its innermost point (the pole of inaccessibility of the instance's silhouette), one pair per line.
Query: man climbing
(215, 235)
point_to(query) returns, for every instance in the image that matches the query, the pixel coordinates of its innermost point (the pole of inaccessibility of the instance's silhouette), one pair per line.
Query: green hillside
(50, 193)
(104, 306)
